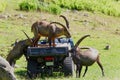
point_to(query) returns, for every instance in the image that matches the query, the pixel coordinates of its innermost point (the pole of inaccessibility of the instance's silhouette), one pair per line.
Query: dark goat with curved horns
(84, 56)
(50, 30)
(18, 50)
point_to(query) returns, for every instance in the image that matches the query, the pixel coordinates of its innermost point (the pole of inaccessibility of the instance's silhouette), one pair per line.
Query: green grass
(103, 29)
(2, 5)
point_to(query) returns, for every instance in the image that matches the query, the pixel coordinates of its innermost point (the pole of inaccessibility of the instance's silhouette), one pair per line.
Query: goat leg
(78, 71)
(85, 71)
(100, 65)
(35, 41)
(49, 41)
(53, 42)
(12, 62)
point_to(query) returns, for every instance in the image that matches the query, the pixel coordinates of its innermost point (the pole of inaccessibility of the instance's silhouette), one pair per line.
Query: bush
(3, 4)
(29, 5)
(55, 9)
(41, 6)
(108, 7)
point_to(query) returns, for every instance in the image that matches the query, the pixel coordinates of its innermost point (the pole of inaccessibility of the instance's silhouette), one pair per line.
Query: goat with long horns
(84, 56)
(19, 49)
(50, 30)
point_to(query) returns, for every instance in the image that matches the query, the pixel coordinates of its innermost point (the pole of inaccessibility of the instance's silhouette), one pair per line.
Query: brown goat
(85, 56)
(50, 30)
(18, 50)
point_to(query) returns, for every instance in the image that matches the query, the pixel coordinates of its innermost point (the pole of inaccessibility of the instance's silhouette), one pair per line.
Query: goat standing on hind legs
(50, 30)
(85, 56)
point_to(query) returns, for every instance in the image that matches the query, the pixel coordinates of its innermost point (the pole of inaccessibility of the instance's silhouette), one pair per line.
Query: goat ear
(80, 40)
(27, 36)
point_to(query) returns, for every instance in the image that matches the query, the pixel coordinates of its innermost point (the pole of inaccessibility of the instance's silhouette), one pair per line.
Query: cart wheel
(31, 69)
(68, 67)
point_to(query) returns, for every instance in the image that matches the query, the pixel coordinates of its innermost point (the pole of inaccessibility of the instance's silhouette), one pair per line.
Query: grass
(108, 7)
(2, 5)
(102, 28)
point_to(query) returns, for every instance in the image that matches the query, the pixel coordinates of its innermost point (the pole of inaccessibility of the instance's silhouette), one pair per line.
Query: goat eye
(9, 74)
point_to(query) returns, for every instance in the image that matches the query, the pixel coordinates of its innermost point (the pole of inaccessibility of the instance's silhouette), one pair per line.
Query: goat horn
(59, 24)
(27, 36)
(67, 23)
(80, 40)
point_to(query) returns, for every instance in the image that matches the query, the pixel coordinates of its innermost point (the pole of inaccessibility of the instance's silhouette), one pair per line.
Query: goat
(16, 41)
(85, 56)
(18, 50)
(50, 30)
(6, 71)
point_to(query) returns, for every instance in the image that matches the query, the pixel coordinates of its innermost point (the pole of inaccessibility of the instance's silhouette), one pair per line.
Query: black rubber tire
(68, 66)
(31, 69)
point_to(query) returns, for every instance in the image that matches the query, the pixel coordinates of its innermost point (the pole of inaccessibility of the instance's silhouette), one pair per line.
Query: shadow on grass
(23, 74)
(55, 75)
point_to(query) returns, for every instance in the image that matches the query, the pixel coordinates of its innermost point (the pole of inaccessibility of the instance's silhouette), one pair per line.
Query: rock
(6, 71)
(20, 16)
(107, 47)
(3, 17)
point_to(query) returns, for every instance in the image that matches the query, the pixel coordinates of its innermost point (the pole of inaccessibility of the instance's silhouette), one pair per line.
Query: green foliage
(29, 5)
(3, 4)
(55, 9)
(109, 7)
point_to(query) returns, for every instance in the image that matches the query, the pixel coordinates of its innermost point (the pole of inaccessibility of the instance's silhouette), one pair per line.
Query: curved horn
(27, 36)
(67, 23)
(80, 40)
(59, 24)
(62, 26)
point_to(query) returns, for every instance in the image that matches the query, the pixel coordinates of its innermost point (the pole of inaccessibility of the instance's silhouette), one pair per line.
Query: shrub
(29, 5)
(108, 7)
(55, 9)
(41, 6)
